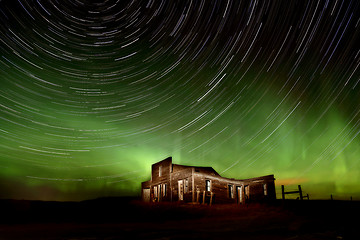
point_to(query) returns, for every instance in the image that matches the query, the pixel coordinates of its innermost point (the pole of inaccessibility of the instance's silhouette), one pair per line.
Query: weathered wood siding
(271, 190)
(162, 179)
(176, 167)
(219, 188)
(145, 185)
(165, 167)
(182, 174)
(258, 192)
(164, 185)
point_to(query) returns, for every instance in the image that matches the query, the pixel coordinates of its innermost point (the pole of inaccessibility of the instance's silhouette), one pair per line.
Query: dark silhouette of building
(173, 182)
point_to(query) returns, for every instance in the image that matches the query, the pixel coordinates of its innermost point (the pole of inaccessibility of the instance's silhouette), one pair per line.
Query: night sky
(94, 92)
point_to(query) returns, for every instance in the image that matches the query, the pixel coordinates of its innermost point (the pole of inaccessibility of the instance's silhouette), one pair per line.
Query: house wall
(146, 184)
(145, 188)
(193, 181)
(257, 189)
(165, 166)
(182, 175)
(176, 168)
(271, 190)
(219, 188)
(159, 180)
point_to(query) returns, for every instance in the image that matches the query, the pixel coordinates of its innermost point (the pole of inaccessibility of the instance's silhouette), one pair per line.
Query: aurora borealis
(94, 92)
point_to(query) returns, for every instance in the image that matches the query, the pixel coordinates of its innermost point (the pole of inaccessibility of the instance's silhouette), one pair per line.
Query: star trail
(94, 92)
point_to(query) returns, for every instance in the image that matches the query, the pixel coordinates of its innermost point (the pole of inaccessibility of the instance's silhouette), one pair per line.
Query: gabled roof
(208, 170)
(211, 171)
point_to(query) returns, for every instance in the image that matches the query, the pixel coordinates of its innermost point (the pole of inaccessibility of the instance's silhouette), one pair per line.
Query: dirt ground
(135, 220)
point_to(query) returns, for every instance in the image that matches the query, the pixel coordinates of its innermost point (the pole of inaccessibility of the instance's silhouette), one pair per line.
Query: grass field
(128, 218)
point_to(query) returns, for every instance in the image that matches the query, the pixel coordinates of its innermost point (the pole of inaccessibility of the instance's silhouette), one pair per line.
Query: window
(239, 194)
(265, 189)
(164, 190)
(231, 191)
(159, 191)
(247, 192)
(160, 171)
(155, 192)
(208, 185)
(186, 187)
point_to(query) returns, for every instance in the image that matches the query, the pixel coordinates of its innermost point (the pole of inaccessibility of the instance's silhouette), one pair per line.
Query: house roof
(211, 171)
(206, 170)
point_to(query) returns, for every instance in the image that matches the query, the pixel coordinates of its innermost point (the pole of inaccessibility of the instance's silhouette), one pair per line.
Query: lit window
(208, 185)
(265, 189)
(239, 193)
(164, 190)
(231, 191)
(159, 190)
(155, 192)
(160, 171)
(247, 192)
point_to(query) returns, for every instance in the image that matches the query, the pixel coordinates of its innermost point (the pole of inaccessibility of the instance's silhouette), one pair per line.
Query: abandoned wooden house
(173, 182)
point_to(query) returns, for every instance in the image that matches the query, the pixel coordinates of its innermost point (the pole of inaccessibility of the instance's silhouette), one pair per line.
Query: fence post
(300, 192)
(283, 192)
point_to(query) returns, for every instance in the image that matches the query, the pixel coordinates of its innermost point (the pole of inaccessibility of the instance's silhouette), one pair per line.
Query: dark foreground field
(128, 218)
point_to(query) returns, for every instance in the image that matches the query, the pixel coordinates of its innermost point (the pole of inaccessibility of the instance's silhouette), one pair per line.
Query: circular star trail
(94, 92)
